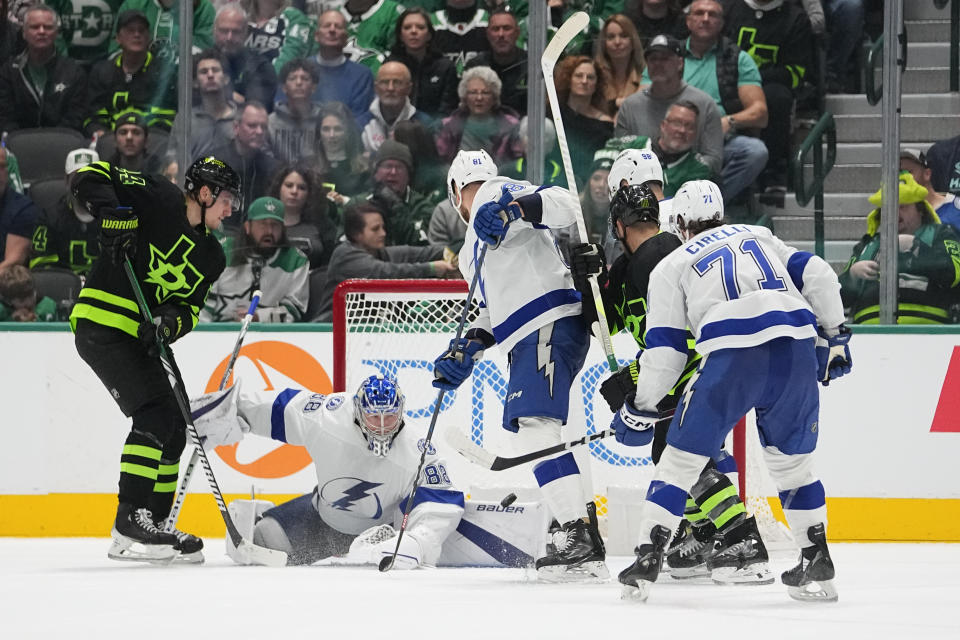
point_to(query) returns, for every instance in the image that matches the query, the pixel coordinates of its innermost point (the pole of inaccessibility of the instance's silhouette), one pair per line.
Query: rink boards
(890, 432)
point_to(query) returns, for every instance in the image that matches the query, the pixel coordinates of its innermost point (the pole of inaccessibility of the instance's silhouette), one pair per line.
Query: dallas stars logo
(172, 272)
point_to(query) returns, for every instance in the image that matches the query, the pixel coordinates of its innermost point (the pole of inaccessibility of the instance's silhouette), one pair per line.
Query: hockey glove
(633, 426)
(833, 354)
(618, 386)
(587, 260)
(493, 218)
(167, 326)
(456, 364)
(118, 234)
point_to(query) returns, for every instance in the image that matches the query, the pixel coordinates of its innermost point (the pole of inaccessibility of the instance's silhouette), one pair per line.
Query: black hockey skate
(137, 538)
(739, 556)
(575, 554)
(692, 545)
(638, 577)
(812, 579)
(189, 547)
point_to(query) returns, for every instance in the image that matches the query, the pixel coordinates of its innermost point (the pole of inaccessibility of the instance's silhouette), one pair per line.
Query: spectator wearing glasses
(674, 147)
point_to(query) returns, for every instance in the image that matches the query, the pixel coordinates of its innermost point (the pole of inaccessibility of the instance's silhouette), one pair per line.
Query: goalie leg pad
(309, 538)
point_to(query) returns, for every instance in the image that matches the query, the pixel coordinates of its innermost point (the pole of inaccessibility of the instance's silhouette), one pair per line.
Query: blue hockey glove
(456, 364)
(833, 354)
(634, 427)
(494, 217)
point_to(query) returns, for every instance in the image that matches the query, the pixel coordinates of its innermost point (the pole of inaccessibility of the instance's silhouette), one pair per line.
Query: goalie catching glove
(634, 427)
(456, 364)
(833, 353)
(493, 218)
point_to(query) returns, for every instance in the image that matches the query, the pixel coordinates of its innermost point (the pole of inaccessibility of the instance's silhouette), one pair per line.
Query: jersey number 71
(727, 259)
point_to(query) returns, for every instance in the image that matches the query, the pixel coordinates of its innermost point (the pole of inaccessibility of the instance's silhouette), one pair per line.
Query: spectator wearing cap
(341, 79)
(130, 137)
(595, 199)
(85, 28)
(39, 87)
(642, 113)
(66, 235)
(943, 158)
(248, 152)
(406, 211)
(135, 79)
(928, 263)
(293, 123)
(18, 219)
(261, 258)
(945, 204)
(365, 254)
(674, 148)
(163, 17)
(507, 59)
(211, 120)
(251, 75)
(391, 106)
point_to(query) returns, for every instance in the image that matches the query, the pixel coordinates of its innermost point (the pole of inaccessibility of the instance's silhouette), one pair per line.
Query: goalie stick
(387, 562)
(551, 54)
(254, 553)
(489, 460)
(171, 522)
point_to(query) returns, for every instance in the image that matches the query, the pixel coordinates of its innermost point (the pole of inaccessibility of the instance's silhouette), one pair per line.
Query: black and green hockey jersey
(61, 239)
(174, 263)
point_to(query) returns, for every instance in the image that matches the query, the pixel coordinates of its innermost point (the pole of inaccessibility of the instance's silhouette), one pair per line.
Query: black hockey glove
(118, 233)
(618, 386)
(167, 326)
(587, 260)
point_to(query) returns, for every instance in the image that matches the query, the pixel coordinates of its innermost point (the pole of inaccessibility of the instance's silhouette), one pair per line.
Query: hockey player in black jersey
(167, 236)
(712, 546)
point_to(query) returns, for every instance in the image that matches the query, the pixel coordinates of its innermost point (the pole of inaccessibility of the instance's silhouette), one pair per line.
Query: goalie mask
(468, 167)
(378, 411)
(636, 166)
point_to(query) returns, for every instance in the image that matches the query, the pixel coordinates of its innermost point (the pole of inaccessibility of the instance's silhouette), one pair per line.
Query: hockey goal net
(398, 327)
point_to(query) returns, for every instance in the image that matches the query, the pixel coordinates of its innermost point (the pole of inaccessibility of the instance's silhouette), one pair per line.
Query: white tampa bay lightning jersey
(525, 283)
(357, 490)
(734, 286)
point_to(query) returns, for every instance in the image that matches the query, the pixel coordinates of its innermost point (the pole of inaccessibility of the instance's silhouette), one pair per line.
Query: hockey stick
(551, 54)
(387, 563)
(171, 522)
(253, 553)
(489, 460)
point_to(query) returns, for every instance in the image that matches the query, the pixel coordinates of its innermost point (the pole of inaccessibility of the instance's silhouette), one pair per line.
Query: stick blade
(386, 563)
(255, 554)
(567, 32)
(466, 447)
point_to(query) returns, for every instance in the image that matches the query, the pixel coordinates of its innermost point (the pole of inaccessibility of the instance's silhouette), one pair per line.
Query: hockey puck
(508, 500)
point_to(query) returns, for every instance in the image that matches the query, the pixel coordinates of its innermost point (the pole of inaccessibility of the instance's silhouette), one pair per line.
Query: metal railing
(822, 165)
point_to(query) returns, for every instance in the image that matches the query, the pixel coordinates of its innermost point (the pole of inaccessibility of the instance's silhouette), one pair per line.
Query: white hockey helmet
(468, 167)
(697, 201)
(636, 166)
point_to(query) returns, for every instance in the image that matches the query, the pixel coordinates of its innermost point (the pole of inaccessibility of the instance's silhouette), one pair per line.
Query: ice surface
(67, 588)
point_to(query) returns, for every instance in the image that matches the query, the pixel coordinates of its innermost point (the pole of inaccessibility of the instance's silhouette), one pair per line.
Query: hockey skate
(137, 538)
(189, 547)
(812, 579)
(637, 578)
(739, 556)
(575, 554)
(687, 556)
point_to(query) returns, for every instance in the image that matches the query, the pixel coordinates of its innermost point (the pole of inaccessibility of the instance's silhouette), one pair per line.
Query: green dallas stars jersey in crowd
(86, 27)
(174, 263)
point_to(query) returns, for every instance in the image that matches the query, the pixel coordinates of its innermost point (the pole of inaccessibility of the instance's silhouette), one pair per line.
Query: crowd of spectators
(341, 117)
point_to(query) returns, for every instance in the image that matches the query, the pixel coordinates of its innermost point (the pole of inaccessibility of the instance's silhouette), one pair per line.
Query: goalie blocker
(488, 535)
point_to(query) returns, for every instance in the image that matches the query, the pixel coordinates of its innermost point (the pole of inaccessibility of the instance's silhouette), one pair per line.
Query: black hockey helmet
(634, 203)
(215, 174)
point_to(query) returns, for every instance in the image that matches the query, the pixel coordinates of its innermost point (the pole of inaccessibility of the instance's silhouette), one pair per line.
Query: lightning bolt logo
(356, 493)
(545, 363)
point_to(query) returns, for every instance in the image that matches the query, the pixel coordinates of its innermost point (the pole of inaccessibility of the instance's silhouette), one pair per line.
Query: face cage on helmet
(379, 425)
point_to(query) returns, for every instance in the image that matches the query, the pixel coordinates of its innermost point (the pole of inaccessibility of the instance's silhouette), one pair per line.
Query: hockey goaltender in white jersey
(365, 462)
